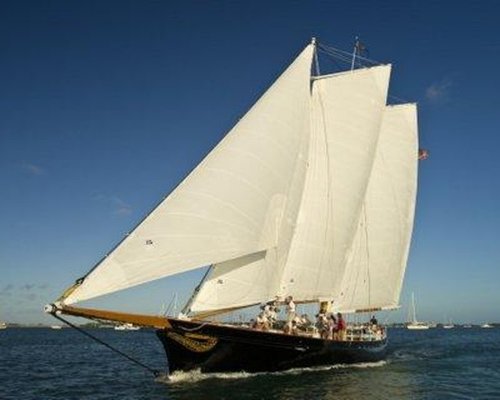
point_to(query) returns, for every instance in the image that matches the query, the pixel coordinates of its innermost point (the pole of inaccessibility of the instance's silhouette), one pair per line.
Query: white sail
(347, 111)
(378, 257)
(236, 283)
(254, 278)
(231, 205)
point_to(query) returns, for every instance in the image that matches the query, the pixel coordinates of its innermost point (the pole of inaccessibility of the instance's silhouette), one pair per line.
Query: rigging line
(155, 372)
(336, 63)
(336, 56)
(398, 98)
(170, 306)
(344, 58)
(346, 53)
(187, 307)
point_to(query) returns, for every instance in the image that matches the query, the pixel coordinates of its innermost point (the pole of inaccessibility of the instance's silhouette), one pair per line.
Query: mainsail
(379, 253)
(347, 111)
(231, 205)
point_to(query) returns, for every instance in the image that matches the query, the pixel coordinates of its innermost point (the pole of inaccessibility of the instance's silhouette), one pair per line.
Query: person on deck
(262, 323)
(322, 325)
(266, 310)
(305, 323)
(270, 311)
(341, 327)
(290, 313)
(332, 327)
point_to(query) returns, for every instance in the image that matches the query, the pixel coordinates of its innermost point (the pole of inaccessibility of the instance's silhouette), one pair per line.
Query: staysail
(378, 256)
(232, 205)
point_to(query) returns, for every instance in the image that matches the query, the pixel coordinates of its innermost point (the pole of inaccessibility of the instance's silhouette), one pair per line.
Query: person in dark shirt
(341, 327)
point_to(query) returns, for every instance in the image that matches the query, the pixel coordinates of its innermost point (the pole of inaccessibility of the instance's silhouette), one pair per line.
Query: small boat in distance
(413, 324)
(56, 327)
(449, 325)
(127, 327)
(486, 326)
(3, 325)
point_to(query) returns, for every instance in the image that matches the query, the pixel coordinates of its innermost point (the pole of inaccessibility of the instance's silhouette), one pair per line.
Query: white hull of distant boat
(56, 327)
(3, 325)
(417, 327)
(126, 327)
(486, 326)
(448, 326)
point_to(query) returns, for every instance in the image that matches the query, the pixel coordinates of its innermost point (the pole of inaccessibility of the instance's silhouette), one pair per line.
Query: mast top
(313, 41)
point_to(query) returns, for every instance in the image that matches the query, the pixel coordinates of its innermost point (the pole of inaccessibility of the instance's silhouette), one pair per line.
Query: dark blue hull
(220, 348)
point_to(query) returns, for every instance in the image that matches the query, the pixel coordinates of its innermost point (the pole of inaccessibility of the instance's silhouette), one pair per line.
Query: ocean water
(63, 364)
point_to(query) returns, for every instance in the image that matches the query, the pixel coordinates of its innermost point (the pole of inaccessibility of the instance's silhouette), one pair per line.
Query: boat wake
(196, 375)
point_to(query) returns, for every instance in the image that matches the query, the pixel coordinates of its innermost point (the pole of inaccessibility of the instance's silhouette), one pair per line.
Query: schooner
(310, 195)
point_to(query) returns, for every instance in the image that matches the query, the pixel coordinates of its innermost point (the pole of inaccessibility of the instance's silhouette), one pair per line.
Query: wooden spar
(135, 319)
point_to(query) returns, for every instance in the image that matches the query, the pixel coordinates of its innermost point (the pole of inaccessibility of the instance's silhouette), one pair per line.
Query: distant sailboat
(310, 195)
(127, 327)
(413, 323)
(486, 326)
(449, 325)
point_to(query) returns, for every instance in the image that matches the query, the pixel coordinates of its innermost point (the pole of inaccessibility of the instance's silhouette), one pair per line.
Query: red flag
(423, 154)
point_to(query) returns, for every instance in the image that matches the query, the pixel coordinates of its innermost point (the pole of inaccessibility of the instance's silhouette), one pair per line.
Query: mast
(414, 313)
(316, 61)
(354, 51)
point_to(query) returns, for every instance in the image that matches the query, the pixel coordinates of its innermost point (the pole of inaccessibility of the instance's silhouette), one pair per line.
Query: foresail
(233, 204)
(255, 278)
(378, 257)
(236, 283)
(347, 110)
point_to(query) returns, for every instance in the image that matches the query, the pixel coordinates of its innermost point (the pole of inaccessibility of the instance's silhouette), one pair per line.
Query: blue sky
(105, 106)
